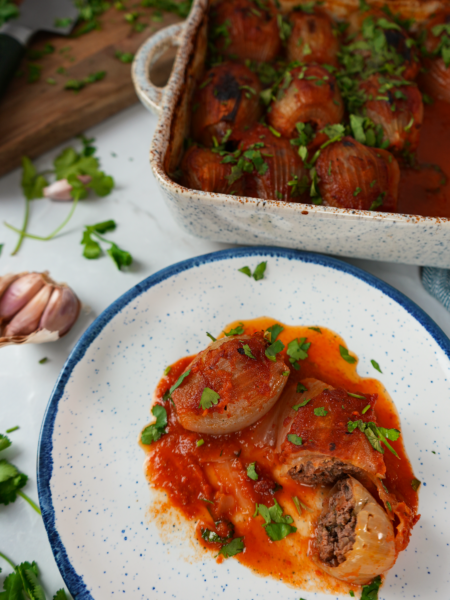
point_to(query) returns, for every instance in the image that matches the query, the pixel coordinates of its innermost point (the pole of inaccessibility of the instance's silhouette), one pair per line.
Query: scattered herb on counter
(277, 525)
(75, 85)
(211, 337)
(63, 22)
(258, 273)
(178, 382)
(152, 433)
(51, 81)
(34, 73)
(11, 431)
(125, 57)
(415, 484)
(8, 10)
(246, 271)
(1, 248)
(43, 360)
(251, 471)
(274, 349)
(24, 579)
(239, 330)
(234, 547)
(34, 54)
(92, 249)
(157, 16)
(181, 9)
(375, 434)
(11, 479)
(295, 439)
(320, 411)
(209, 398)
(370, 592)
(345, 355)
(376, 366)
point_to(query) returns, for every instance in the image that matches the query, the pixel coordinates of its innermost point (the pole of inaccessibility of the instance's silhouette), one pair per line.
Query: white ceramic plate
(93, 494)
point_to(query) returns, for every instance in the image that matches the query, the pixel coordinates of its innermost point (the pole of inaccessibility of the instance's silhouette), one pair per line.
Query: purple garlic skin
(32, 305)
(60, 190)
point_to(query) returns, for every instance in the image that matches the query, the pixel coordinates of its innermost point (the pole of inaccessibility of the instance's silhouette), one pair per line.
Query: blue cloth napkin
(437, 283)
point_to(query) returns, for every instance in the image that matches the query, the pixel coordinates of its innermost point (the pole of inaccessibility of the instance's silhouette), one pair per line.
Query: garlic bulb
(35, 309)
(60, 190)
(354, 538)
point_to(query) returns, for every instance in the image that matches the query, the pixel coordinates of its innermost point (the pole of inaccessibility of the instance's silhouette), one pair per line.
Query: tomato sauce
(426, 191)
(208, 483)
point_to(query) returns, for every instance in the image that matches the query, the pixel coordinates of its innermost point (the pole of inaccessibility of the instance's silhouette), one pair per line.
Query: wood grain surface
(35, 117)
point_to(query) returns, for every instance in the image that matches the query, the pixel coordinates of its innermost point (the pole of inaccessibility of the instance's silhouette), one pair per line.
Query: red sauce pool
(197, 485)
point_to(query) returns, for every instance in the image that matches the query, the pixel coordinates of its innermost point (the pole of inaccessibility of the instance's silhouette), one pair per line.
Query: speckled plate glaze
(92, 490)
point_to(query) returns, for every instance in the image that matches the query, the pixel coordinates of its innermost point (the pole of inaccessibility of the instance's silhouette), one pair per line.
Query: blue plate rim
(72, 579)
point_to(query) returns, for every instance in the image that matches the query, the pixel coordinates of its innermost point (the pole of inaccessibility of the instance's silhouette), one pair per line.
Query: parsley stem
(8, 561)
(30, 502)
(24, 227)
(23, 233)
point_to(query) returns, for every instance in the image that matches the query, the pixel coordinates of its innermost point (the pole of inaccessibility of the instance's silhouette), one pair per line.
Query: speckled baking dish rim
(393, 237)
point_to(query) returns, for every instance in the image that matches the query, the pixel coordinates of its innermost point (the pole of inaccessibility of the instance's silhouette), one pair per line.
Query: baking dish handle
(149, 94)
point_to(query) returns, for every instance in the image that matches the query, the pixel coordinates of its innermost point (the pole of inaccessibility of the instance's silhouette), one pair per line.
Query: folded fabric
(437, 283)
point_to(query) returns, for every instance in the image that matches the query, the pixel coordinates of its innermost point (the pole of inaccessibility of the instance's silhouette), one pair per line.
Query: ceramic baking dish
(240, 220)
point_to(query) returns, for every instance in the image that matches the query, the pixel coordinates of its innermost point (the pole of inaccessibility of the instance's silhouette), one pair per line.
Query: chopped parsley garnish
(317, 329)
(153, 432)
(296, 502)
(388, 504)
(200, 443)
(92, 248)
(274, 349)
(12, 429)
(246, 271)
(345, 355)
(234, 547)
(277, 525)
(286, 373)
(251, 471)
(376, 435)
(239, 330)
(125, 57)
(179, 381)
(258, 273)
(209, 398)
(415, 484)
(376, 366)
(356, 396)
(320, 411)
(211, 337)
(295, 439)
(213, 538)
(75, 85)
(245, 350)
(273, 332)
(370, 592)
(352, 593)
(297, 350)
(43, 360)
(167, 370)
(365, 409)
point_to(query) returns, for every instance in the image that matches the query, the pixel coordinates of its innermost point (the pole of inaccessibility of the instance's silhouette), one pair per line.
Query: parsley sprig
(25, 580)
(93, 250)
(376, 435)
(277, 525)
(152, 433)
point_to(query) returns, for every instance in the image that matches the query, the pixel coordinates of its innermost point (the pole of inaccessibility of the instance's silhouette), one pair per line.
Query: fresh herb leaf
(32, 183)
(122, 258)
(246, 271)
(376, 435)
(92, 248)
(167, 370)
(8, 10)
(234, 547)
(152, 433)
(295, 439)
(12, 429)
(248, 352)
(320, 411)
(212, 537)
(274, 349)
(251, 471)
(277, 525)
(376, 366)
(296, 502)
(273, 332)
(209, 398)
(415, 484)
(239, 330)
(345, 355)
(60, 595)
(11, 481)
(211, 337)
(286, 373)
(301, 388)
(200, 443)
(125, 57)
(5, 442)
(63, 22)
(176, 385)
(356, 396)
(75, 85)
(317, 329)
(297, 349)
(352, 593)
(365, 409)
(43, 360)
(258, 273)
(370, 592)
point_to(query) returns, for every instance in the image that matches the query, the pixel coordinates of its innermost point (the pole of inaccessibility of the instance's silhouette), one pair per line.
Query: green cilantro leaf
(277, 525)
(212, 537)
(177, 384)
(317, 329)
(167, 370)
(8, 10)
(251, 471)
(11, 481)
(234, 547)
(301, 388)
(239, 330)
(5, 442)
(65, 22)
(259, 271)
(60, 595)
(356, 396)
(247, 351)
(415, 484)
(273, 332)
(152, 433)
(122, 258)
(211, 337)
(298, 349)
(209, 398)
(376, 435)
(320, 411)
(274, 349)
(11, 429)
(370, 592)
(125, 57)
(29, 574)
(295, 439)
(33, 184)
(376, 366)
(246, 271)
(345, 355)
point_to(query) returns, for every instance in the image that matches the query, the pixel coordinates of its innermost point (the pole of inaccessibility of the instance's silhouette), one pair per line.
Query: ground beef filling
(322, 472)
(336, 527)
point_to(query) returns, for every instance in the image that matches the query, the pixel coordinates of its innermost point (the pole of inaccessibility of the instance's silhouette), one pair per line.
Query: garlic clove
(19, 293)
(61, 311)
(60, 190)
(27, 320)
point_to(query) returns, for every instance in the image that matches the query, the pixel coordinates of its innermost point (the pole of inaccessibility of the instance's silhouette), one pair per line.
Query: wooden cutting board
(35, 117)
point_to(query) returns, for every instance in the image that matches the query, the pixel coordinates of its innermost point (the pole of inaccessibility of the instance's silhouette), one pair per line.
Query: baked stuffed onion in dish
(277, 453)
(314, 74)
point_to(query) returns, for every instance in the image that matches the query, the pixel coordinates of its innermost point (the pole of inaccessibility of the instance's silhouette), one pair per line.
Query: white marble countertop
(147, 230)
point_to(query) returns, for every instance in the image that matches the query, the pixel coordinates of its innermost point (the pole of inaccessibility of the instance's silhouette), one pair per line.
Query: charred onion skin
(283, 165)
(401, 126)
(310, 96)
(248, 387)
(222, 103)
(435, 80)
(312, 39)
(252, 32)
(355, 176)
(204, 170)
